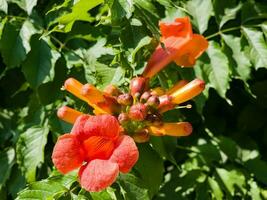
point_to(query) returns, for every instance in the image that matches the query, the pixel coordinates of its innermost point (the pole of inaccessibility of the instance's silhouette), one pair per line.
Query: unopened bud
(68, 114)
(138, 112)
(112, 90)
(123, 117)
(188, 91)
(125, 99)
(145, 96)
(137, 95)
(138, 85)
(142, 136)
(153, 101)
(154, 119)
(165, 103)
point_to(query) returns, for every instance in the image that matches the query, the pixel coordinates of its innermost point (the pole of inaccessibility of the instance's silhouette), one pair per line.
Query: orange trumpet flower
(102, 103)
(180, 46)
(171, 129)
(68, 114)
(187, 91)
(177, 86)
(180, 93)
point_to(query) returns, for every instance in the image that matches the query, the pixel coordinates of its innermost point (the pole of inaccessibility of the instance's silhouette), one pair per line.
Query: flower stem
(223, 31)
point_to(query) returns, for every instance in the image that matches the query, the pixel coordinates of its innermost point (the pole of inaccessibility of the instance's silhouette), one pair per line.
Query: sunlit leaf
(201, 12)
(26, 5)
(232, 179)
(7, 159)
(38, 68)
(243, 62)
(218, 69)
(30, 150)
(259, 46)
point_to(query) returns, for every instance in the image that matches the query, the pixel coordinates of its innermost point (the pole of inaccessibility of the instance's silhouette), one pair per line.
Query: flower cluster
(103, 145)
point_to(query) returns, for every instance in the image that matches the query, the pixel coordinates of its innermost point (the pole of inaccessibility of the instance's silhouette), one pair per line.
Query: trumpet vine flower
(179, 44)
(96, 147)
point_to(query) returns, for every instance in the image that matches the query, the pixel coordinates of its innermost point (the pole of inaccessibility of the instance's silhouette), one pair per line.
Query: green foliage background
(44, 42)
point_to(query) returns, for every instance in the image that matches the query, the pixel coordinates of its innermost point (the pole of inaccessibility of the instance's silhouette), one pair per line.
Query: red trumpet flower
(97, 148)
(180, 46)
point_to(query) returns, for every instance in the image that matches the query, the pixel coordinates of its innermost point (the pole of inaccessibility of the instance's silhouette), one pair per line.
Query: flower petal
(161, 57)
(97, 147)
(197, 45)
(102, 125)
(67, 154)
(125, 153)
(180, 28)
(98, 174)
(78, 127)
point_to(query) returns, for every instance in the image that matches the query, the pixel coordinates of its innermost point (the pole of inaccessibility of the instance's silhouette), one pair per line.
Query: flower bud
(68, 114)
(110, 105)
(92, 94)
(74, 87)
(123, 117)
(153, 101)
(188, 91)
(138, 85)
(145, 96)
(172, 129)
(125, 99)
(138, 112)
(165, 103)
(112, 90)
(154, 119)
(141, 136)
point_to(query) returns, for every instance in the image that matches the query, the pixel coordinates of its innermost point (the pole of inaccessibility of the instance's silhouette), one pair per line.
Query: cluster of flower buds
(105, 143)
(139, 111)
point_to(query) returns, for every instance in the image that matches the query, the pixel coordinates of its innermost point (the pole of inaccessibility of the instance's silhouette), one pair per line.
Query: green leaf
(201, 12)
(30, 150)
(79, 11)
(7, 159)
(232, 179)
(26, 5)
(216, 191)
(252, 10)
(38, 68)
(225, 10)
(150, 167)
(243, 63)
(218, 69)
(229, 147)
(103, 195)
(254, 190)
(16, 182)
(132, 187)
(42, 190)
(106, 75)
(15, 43)
(120, 9)
(165, 146)
(258, 168)
(147, 13)
(259, 46)
(3, 6)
